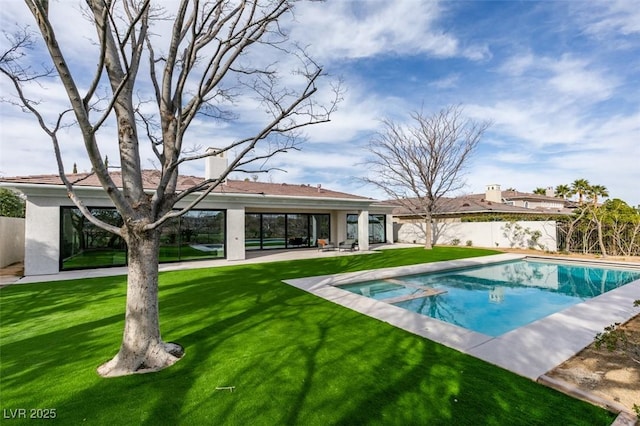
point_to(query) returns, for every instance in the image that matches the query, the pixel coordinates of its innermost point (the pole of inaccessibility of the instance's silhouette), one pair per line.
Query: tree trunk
(568, 237)
(142, 348)
(428, 233)
(603, 248)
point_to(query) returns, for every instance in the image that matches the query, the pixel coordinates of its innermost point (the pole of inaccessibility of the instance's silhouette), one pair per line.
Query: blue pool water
(497, 298)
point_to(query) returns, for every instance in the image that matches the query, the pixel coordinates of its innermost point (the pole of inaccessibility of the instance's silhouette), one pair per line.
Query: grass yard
(293, 359)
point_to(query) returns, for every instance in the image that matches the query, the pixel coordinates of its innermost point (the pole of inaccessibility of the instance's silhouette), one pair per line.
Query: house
(494, 202)
(494, 205)
(239, 216)
(547, 203)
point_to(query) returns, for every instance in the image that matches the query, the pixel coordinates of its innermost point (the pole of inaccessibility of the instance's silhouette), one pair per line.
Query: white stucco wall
(12, 241)
(235, 233)
(338, 227)
(410, 232)
(484, 234)
(42, 238)
(363, 230)
(389, 229)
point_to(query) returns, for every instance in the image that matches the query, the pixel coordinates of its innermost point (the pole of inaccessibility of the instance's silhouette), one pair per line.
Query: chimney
(319, 187)
(215, 165)
(550, 192)
(493, 194)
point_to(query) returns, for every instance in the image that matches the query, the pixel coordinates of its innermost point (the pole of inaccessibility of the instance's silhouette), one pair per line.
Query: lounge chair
(325, 245)
(348, 245)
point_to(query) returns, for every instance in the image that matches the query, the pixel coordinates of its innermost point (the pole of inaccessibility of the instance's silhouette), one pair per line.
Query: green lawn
(294, 359)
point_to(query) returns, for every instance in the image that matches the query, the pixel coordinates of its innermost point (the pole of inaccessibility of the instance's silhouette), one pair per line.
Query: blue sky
(559, 80)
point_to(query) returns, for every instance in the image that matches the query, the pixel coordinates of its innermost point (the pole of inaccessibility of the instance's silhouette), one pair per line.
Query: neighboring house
(239, 216)
(493, 202)
(492, 206)
(547, 203)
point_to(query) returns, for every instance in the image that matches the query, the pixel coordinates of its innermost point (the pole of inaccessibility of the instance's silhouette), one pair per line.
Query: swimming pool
(496, 298)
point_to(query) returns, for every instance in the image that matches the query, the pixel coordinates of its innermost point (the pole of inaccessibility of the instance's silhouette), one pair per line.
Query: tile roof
(517, 195)
(475, 203)
(151, 178)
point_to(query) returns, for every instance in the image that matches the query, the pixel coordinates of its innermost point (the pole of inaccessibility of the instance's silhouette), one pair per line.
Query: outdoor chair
(348, 245)
(325, 245)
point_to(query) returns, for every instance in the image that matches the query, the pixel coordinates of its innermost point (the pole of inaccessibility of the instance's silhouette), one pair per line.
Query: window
(85, 245)
(199, 234)
(377, 228)
(297, 230)
(273, 231)
(284, 230)
(253, 231)
(320, 228)
(352, 226)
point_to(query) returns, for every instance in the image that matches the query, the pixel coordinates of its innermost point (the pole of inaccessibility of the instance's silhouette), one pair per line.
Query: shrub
(469, 243)
(611, 338)
(455, 241)
(11, 204)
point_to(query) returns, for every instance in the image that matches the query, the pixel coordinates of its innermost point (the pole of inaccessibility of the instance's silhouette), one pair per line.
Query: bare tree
(419, 163)
(203, 68)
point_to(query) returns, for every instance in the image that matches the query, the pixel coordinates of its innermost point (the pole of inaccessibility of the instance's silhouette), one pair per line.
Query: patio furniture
(326, 245)
(297, 242)
(350, 245)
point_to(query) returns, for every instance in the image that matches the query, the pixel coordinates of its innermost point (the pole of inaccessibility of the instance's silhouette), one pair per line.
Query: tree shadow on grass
(40, 300)
(167, 390)
(293, 359)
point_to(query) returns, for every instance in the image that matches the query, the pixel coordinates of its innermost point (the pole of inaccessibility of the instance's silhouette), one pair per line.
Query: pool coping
(530, 351)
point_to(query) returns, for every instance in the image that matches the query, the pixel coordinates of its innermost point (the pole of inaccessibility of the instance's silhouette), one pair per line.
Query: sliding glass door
(377, 228)
(199, 234)
(284, 230)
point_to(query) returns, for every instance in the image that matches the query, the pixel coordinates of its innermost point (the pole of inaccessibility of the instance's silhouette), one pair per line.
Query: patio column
(339, 227)
(363, 229)
(389, 228)
(42, 237)
(235, 233)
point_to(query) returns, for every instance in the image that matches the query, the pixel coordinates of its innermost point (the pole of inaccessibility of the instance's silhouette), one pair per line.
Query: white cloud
(577, 78)
(449, 82)
(604, 18)
(517, 157)
(574, 77)
(518, 64)
(345, 29)
(603, 150)
(478, 53)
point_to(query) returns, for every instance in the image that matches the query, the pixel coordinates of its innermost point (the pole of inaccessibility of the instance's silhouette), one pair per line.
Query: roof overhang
(248, 200)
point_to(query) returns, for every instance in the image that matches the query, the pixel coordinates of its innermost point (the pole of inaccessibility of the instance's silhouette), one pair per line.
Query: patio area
(11, 274)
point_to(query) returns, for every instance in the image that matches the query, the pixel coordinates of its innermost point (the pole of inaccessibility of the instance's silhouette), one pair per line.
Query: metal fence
(617, 241)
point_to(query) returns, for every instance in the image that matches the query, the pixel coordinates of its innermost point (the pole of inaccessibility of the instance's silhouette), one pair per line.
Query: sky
(559, 81)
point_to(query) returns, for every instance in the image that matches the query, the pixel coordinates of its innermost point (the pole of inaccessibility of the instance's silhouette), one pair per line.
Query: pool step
(425, 292)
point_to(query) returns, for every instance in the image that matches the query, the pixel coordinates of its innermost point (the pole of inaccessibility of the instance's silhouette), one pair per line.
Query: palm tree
(580, 187)
(596, 191)
(563, 191)
(540, 191)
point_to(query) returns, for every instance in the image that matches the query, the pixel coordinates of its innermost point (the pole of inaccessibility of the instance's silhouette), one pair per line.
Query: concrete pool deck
(530, 351)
